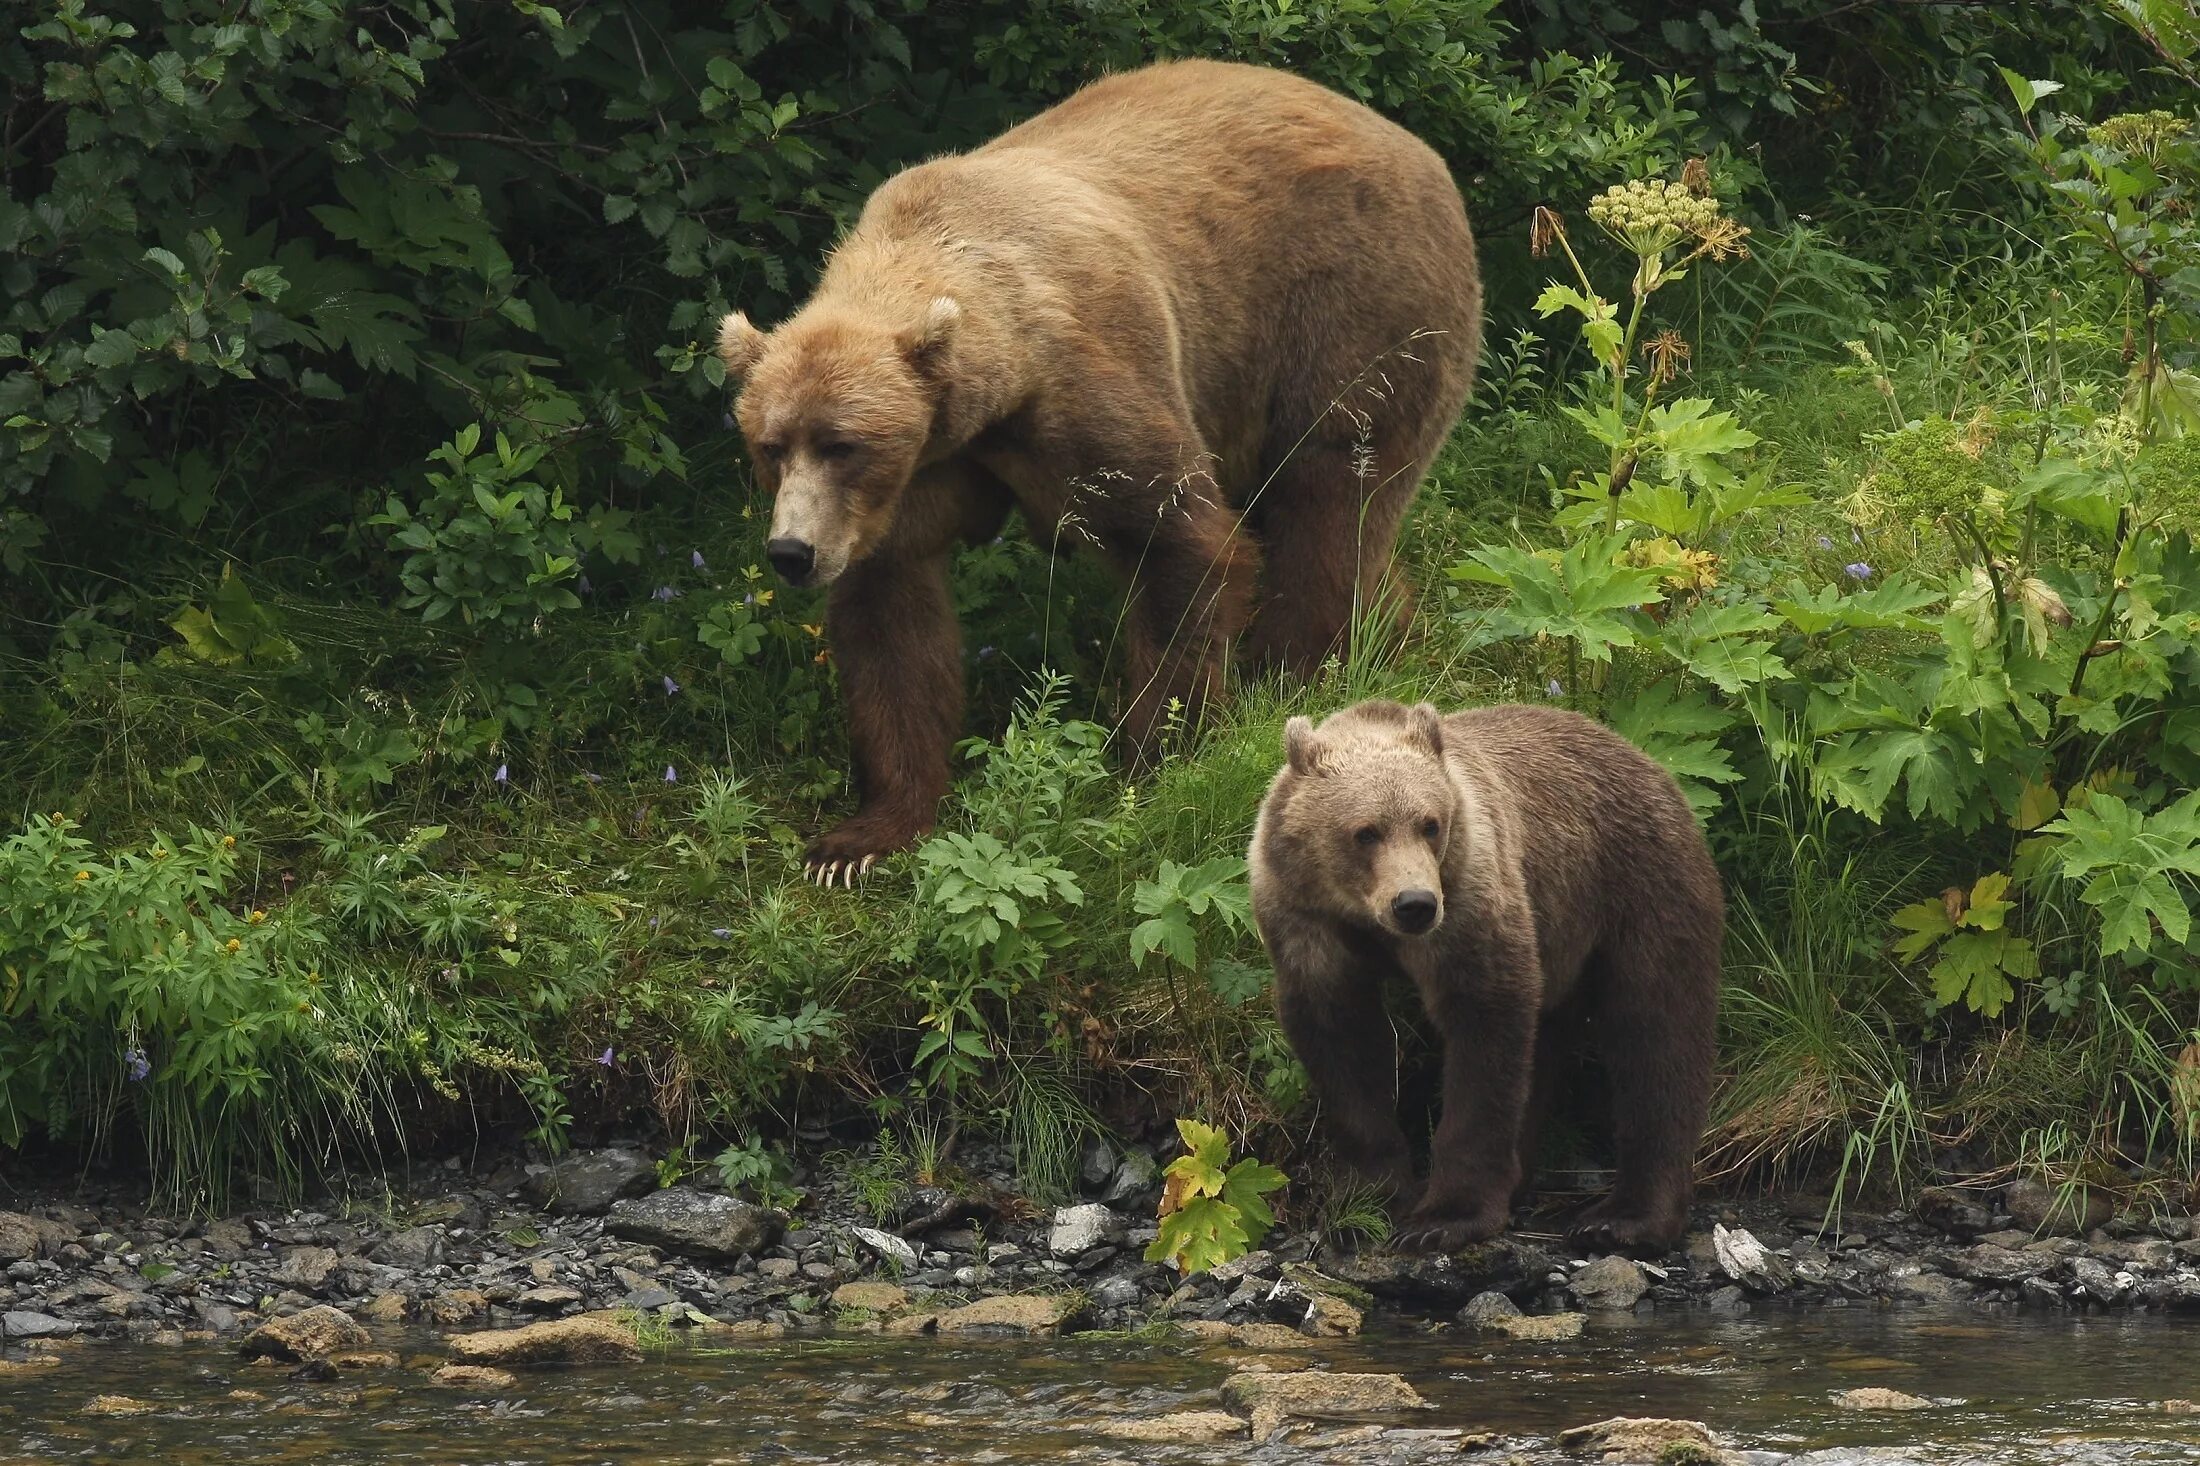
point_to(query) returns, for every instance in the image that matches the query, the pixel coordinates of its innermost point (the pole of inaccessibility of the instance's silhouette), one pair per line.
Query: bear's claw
(824, 873)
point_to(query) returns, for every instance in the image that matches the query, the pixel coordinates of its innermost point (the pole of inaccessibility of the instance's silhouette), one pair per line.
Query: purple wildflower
(1857, 570)
(672, 775)
(604, 1058)
(721, 932)
(593, 778)
(1552, 689)
(136, 1065)
(664, 593)
(749, 599)
(584, 587)
(697, 558)
(504, 773)
(729, 422)
(1824, 543)
(985, 653)
(671, 687)
(653, 923)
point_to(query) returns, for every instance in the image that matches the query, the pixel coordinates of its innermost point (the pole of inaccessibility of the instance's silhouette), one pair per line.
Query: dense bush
(367, 510)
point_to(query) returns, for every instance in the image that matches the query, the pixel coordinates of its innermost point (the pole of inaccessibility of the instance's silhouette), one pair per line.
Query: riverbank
(521, 1243)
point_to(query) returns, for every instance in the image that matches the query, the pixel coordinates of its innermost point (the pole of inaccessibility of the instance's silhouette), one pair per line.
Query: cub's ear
(927, 341)
(1299, 747)
(739, 345)
(1426, 725)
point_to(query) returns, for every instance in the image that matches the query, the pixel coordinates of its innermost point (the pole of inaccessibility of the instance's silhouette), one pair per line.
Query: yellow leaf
(2038, 804)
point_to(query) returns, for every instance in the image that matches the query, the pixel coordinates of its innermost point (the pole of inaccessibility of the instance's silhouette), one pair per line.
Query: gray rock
(19, 1237)
(314, 1333)
(1116, 1293)
(1079, 1229)
(647, 1300)
(1728, 1302)
(1749, 1262)
(306, 1267)
(1097, 1163)
(1953, 1210)
(889, 1247)
(2038, 1208)
(2100, 1282)
(1611, 1283)
(26, 1325)
(2040, 1293)
(587, 1184)
(1916, 1285)
(1483, 1310)
(777, 1268)
(415, 1248)
(1135, 1177)
(696, 1223)
(1441, 1282)
(217, 1317)
(1986, 1263)
(1254, 1264)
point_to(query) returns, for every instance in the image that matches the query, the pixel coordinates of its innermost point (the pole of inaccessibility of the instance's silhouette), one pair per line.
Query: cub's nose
(1414, 911)
(793, 559)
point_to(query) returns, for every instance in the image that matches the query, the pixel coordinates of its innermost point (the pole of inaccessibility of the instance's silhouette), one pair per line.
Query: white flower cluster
(1650, 215)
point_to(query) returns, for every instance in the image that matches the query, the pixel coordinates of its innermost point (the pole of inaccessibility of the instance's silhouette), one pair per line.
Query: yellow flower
(159, 854)
(257, 917)
(83, 875)
(234, 946)
(763, 598)
(229, 842)
(824, 655)
(813, 630)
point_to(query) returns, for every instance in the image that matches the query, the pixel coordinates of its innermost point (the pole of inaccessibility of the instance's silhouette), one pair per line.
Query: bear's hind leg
(1656, 1028)
(1328, 514)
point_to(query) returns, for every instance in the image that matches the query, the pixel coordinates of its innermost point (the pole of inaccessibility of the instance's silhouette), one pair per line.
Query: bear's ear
(1299, 747)
(739, 345)
(926, 342)
(1426, 725)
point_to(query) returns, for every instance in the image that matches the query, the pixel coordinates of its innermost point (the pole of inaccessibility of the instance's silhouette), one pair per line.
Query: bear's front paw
(849, 850)
(1442, 1234)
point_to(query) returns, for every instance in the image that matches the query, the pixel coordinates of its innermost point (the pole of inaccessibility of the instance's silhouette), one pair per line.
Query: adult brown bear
(1529, 872)
(1199, 316)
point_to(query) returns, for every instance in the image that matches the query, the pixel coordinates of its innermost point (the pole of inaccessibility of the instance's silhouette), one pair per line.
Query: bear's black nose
(793, 559)
(1414, 911)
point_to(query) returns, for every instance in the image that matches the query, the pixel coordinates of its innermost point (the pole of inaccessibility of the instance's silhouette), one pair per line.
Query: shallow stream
(2014, 1388)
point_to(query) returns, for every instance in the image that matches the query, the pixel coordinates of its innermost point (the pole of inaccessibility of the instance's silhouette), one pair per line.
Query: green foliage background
(367, 502)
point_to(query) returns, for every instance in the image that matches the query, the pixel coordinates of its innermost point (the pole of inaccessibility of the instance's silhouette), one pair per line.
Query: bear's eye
(771, 452)
(1368, 835)
(839, 448)
(1430, 829)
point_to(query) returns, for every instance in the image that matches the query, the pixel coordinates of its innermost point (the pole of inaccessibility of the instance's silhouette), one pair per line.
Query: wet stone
(587, 1184)
(314, 1333)
(696, 1223)
(1612, 1283)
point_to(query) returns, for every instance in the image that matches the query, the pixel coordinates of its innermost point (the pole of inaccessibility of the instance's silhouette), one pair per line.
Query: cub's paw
(845, 853)
(1604, 1228)
(1443, 1234)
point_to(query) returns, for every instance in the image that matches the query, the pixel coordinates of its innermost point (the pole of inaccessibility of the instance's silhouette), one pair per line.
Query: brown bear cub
(1204, 319)
(1528, 870)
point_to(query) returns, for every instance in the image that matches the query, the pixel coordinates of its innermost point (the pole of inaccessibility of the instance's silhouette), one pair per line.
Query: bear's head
(1368, 814)
(837, 406)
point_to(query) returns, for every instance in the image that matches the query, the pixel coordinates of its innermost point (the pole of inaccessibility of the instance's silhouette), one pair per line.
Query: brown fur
(1572, 883)
(1197, 316)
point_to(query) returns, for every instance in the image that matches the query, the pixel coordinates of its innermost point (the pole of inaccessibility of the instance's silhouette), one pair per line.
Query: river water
(2014, 1388)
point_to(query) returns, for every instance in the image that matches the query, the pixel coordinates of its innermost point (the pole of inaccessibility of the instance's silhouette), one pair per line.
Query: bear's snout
(1415, 911)
(794, 559)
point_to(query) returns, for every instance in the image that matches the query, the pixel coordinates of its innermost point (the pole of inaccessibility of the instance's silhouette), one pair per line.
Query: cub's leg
(1329, 1000)
(1656, 1028)
(1484, 1002)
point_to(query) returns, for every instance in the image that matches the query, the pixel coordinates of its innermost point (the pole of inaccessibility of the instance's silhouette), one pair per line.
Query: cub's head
(836, 406)
(1364, 813)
